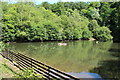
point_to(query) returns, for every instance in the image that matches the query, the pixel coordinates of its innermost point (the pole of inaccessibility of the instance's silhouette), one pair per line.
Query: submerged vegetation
(60, 21)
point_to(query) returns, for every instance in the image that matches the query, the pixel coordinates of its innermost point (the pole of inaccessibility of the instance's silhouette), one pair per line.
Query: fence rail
(23, 62)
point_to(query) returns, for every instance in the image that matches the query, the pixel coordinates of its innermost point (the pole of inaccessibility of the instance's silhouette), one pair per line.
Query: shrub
(102, 33)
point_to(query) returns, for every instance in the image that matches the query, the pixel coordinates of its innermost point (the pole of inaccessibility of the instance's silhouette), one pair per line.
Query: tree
(93, 25)
(105, 13)
(102, 33)
(115, 21)
(59, 21)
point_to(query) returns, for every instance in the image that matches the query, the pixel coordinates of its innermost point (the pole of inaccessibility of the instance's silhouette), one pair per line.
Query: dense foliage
(3, 46)
(60, 21)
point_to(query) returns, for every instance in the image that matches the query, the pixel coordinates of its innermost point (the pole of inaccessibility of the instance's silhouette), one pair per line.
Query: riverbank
(90, 39)
(7, 69)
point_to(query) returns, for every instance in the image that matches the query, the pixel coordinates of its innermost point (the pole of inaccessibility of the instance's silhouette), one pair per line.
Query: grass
(8, 70)
(5, 69)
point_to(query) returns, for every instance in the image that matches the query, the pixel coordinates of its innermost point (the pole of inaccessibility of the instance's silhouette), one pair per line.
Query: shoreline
(90, 39)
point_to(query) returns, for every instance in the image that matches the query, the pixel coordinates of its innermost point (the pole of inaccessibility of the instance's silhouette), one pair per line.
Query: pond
(76, 56)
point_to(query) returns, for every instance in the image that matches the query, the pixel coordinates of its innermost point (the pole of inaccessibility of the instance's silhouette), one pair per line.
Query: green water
(77, 56)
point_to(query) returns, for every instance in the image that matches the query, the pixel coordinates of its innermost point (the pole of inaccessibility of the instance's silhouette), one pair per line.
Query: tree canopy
(60, 21)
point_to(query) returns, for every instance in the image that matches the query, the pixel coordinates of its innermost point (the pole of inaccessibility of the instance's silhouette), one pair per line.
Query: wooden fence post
(31, 64)
(18, 59)
(48, 72)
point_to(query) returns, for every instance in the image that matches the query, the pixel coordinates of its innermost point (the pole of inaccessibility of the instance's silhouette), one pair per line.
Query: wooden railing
(23, 62)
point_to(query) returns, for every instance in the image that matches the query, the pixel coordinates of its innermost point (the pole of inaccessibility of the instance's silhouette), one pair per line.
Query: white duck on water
(62, 44)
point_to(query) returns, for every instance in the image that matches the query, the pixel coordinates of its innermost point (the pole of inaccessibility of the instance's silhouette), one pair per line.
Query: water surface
(77, 56)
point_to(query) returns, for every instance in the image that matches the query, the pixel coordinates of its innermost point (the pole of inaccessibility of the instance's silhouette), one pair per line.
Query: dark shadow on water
(116, 55)
(114, 50)
(110, 68)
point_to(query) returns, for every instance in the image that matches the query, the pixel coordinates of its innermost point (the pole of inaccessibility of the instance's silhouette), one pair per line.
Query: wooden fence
(23, 62)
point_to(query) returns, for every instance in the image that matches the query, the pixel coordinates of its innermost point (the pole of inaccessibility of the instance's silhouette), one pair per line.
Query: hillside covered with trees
(60, 21)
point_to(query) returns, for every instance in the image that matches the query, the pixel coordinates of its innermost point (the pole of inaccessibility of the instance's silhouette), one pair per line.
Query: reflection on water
(77, 56)
(110, 68)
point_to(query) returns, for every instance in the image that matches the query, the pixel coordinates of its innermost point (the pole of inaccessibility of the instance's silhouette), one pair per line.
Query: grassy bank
(6, 69)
